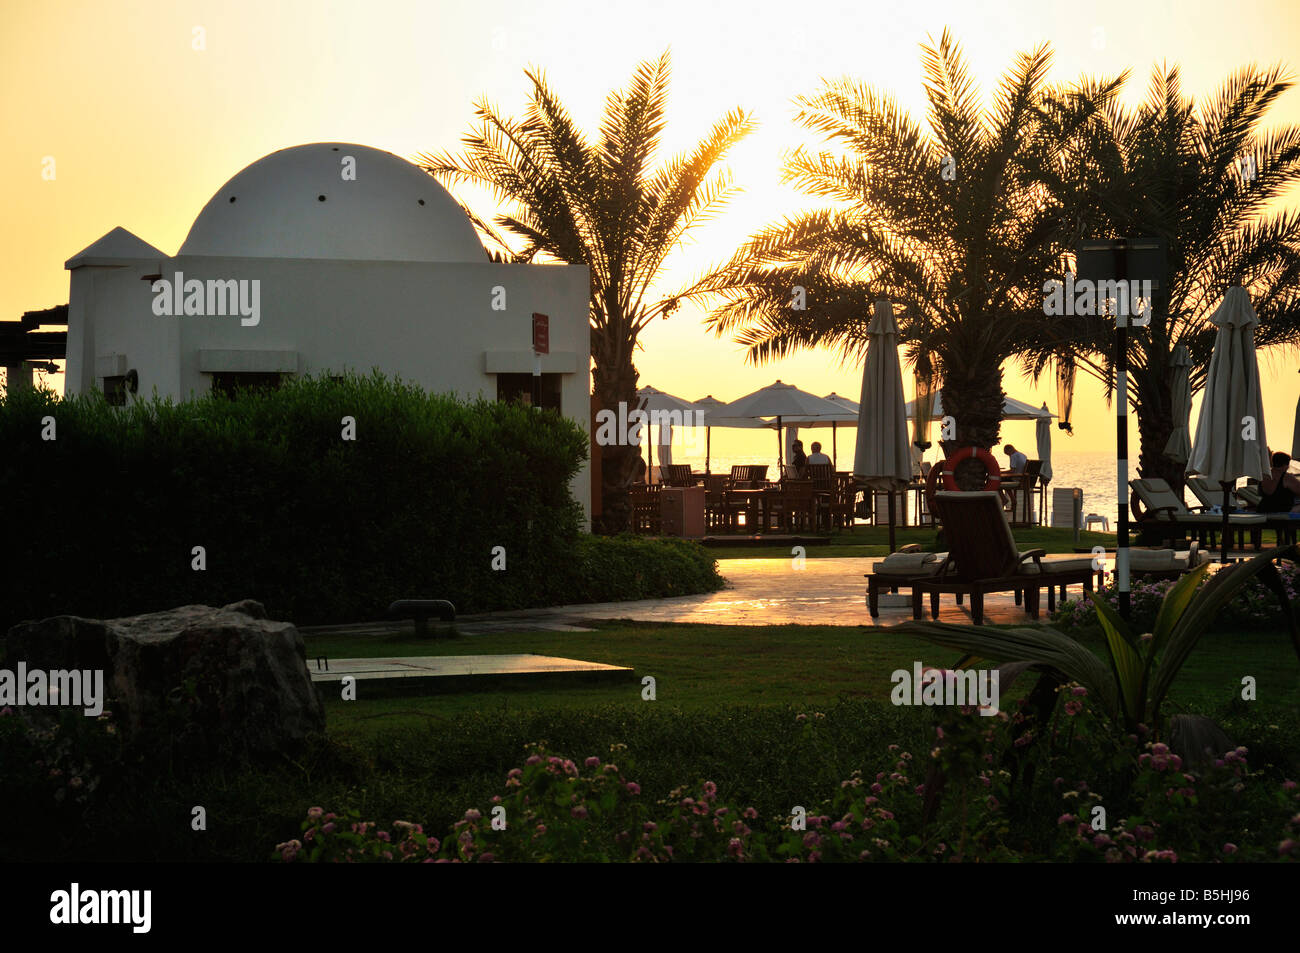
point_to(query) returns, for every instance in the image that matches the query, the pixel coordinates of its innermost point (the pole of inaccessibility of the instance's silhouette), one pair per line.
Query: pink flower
(473, 814)
(579, 812)
(534, 759)
(633, 787)
(314, 812)
(592, 762)
(1229, 848)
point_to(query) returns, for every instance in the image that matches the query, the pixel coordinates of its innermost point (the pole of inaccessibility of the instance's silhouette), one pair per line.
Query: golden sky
(143, 126)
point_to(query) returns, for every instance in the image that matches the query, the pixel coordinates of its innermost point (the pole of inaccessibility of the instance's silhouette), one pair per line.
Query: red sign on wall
(541, 333)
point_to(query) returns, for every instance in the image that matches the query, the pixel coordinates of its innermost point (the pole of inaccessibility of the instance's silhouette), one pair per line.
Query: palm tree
(599, 204)
(1202, 178)
(953, 222)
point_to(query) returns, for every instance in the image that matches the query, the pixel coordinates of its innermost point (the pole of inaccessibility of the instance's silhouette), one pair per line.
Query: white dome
(296, 203)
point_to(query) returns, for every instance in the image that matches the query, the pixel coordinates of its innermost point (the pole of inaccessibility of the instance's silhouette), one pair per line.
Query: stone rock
(200, 679)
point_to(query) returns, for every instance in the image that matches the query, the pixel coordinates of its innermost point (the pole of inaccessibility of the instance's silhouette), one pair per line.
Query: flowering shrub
(56, 755)
(1210, 815)
(988, 790)
(1255, 604)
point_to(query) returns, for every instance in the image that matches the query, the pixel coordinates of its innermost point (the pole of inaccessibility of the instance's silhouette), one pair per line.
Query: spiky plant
(603, 204)
(1132, 684)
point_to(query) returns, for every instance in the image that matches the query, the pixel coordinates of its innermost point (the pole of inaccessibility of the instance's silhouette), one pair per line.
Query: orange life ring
(965, 453)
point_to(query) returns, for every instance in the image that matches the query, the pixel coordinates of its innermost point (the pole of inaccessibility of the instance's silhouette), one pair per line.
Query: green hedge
(102, 520)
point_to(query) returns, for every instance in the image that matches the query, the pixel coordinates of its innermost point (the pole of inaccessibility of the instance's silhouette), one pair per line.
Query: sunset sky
(143, 127)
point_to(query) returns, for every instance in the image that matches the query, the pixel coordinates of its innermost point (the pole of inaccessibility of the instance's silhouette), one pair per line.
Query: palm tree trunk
(613, 382)
(973, 398)
(1155, 424)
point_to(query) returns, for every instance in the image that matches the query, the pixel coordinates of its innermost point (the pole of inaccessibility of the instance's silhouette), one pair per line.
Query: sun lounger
(1161, 514)
(984, 558)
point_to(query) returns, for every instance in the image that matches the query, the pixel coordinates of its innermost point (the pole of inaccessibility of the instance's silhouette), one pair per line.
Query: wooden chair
(842, 509)
(719, 512)
(984, 558)
(646, 513)
(1035, 490)
(794, 506)
(678, 474)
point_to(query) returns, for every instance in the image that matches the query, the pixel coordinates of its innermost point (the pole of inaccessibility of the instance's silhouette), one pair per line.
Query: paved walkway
(773, 592)
(759, 592)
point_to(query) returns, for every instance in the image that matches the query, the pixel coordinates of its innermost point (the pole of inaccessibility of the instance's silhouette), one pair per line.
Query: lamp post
(1123, 260)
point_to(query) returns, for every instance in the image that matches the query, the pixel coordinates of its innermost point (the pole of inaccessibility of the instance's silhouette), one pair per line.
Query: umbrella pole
(708, 447)
(1227, 490)
(835, 453)
(780, 450)
(892, 547)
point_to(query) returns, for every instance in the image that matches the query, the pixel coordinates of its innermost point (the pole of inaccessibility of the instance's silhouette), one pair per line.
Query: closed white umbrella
(883, 459)
(1179, 445)
(1230, 441)
(1295, 436)
(1043, 431)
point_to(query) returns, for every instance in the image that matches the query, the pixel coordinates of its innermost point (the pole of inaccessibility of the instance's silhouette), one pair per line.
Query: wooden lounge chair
(1161, 515)
(901, 570)
(984, 558)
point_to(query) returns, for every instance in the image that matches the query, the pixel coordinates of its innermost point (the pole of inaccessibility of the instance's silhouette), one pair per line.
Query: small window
(229, 383)
(115, 390)
(520, 387)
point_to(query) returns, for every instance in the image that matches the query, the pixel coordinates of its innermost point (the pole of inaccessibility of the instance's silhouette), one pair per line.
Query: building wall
(429, 323)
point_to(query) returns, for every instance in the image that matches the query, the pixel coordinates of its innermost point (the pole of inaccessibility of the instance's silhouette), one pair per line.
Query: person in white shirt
(1018, 459)
(817, 456)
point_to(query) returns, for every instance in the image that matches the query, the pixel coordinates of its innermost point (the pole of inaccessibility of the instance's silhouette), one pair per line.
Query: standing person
(1018, 460)
(799, 459)
(638, 467)
(1280, 489)
(817, 457)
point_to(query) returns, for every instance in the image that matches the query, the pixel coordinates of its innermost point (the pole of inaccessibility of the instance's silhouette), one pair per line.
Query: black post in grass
(1123, 260)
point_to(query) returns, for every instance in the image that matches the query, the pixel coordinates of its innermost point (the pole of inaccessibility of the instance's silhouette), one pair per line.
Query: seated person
(1280, 489)
(638, 468)
(799, 459)
(817, 457)
(1018, 460)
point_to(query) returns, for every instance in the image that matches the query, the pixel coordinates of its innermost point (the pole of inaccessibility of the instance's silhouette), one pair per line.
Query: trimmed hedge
(318, 528)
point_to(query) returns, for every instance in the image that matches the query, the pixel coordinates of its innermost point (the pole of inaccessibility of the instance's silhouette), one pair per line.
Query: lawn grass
(703, 668)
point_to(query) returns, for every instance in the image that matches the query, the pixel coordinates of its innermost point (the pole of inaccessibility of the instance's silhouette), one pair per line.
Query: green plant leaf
(1125, 659)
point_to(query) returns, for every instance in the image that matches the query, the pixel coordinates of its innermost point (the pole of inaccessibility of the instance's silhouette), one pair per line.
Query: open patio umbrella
(852, 406)
(883, 459)
(712, 409)
(1179, 445)
(778, 404)
(1231, 402)
(652, 399)
(1012, 409)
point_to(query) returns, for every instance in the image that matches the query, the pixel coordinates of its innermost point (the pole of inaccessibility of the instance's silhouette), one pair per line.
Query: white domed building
(325, 258)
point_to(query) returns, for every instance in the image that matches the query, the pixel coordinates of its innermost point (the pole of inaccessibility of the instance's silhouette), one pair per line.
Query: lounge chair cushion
(1054, 566)
(910, 564)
